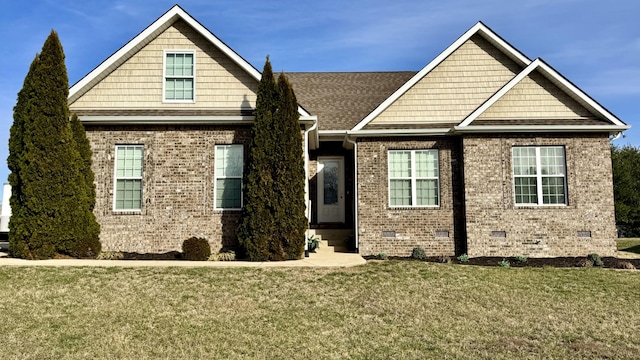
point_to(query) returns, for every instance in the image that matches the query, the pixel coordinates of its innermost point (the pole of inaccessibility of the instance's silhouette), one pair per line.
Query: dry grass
(383, 310)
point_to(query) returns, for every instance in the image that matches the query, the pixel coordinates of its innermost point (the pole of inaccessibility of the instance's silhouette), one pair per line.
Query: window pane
(188, 65)
(525, 190)
(427, 192)
(330, 180)
(400, 192)
(427, 163)
(524, 161)
(229, 160)
(229, 193)
(129, 161)
(553, 190)
(170, 64)
(552, 161)
(128, 194)
(399, 164)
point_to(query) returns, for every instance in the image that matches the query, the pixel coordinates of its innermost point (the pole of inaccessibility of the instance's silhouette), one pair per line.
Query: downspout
(355, 191)
(306, 184)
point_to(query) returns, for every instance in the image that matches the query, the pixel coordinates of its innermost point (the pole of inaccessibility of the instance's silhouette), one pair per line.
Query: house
(484, 151)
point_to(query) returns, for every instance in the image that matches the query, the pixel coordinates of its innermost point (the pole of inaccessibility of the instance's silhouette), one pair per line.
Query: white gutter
(538, 128)
(355, 191)
(306, 181)
(165, 119)
(400, 132)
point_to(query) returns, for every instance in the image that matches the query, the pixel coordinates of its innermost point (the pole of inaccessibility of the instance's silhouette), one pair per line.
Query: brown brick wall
(413, 226)
(539, 231)
(178, 178)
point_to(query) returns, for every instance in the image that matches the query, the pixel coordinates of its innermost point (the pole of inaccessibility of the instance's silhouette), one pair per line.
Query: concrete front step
(329, 246)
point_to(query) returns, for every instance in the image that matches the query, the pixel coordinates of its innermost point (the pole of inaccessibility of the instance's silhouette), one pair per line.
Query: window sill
(227, 210)
(126, 212)
(165, 101)
(435, 207)
(543, 207)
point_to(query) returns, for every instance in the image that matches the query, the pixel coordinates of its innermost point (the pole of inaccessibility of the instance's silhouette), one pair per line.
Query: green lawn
(629, 245)
(392, 309)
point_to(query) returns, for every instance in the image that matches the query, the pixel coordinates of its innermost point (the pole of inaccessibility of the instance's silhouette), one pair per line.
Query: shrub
(87, 248)
(382, 256)
(504, 263)
(110, 255)
(521, 258)
(313, 243)
(463, 258)
(625, 265)
(196, 249)
(595, 259)
(584, 263)
(223, 256)
(418, 253)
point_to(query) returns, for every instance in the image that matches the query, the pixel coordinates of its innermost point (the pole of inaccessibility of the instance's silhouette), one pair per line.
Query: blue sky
(595, 44)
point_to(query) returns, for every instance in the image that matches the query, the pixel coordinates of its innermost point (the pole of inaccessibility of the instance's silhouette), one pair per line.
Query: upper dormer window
(179, 76)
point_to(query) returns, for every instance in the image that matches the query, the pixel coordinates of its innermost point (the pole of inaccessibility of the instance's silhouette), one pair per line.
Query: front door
(331, 189)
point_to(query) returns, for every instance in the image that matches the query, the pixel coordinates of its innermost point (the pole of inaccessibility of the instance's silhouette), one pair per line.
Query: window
(539, 174)
(413, 178)
(128, 178)
(179, 79)
(228, 176)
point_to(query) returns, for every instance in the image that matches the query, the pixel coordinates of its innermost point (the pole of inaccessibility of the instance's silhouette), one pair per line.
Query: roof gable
(138, 82)
(540, 92)
(142, 39)
(478, 29)
(454, 88)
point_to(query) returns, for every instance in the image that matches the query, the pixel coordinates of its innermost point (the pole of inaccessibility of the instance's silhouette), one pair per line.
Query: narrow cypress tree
(50, 190)
(289, 176)
(87, 243)
(257, 223)
(17, 233)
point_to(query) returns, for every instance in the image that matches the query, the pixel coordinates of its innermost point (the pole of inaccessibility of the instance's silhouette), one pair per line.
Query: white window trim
(164, 76)
(116, 178)
(539, 177)
(414, 198)
(216, 177)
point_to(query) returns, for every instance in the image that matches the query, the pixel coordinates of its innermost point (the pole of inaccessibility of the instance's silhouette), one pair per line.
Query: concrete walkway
(314, 260)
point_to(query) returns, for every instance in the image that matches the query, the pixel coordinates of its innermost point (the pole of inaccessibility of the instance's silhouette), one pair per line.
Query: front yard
(391, 309)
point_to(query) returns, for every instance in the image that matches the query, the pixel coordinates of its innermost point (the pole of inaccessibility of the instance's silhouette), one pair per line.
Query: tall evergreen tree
(257, 224)
(14, 162)
(626, 188)
(50, 190)
(87, 243)
(290, 218)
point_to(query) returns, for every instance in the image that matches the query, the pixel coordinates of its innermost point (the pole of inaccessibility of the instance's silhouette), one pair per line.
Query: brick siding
(539, 231)
(396, 231)
(178, 178)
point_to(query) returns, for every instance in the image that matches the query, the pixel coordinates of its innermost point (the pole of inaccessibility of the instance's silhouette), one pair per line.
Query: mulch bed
(559, 262)
(171, 255)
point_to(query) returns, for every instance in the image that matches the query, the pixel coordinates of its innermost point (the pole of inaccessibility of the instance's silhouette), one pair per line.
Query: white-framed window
(179, 76)
(414, 178)
(539, 175)
(128, 178)
(229, 164)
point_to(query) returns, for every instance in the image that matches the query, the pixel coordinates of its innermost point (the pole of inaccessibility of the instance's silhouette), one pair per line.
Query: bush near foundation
(196, 249)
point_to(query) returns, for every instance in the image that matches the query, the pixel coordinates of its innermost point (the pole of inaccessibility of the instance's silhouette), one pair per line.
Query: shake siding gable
(138, 82)
(456, 87)
(535, 97)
